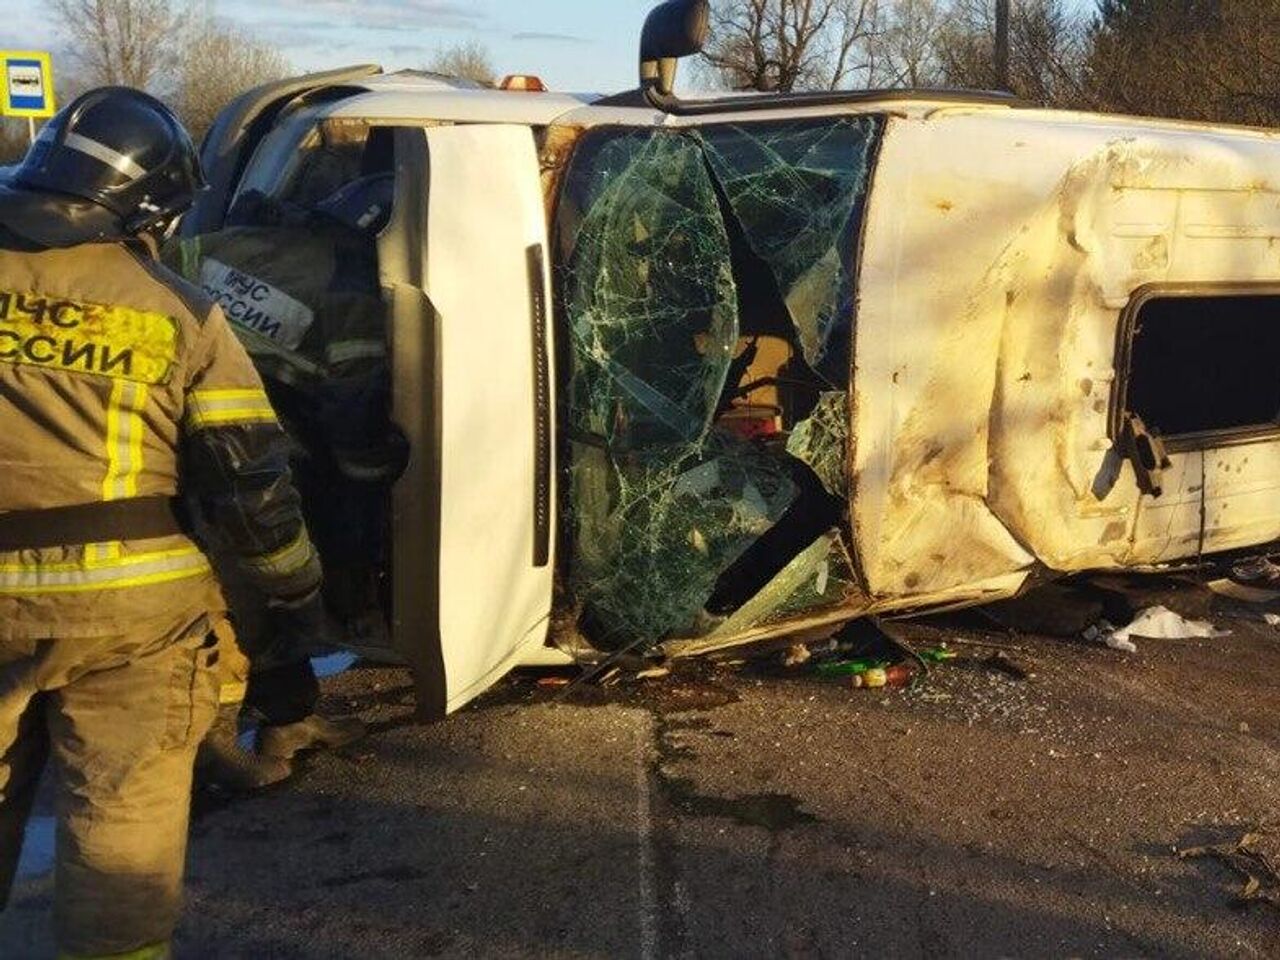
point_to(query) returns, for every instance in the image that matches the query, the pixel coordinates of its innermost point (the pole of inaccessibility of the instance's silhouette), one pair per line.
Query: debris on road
(1255, 857)
(1153, 623)
(898, 675)
(1002, 663)
(796, 655)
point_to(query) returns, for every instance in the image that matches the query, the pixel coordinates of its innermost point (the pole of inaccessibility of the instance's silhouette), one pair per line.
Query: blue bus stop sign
(28, 84)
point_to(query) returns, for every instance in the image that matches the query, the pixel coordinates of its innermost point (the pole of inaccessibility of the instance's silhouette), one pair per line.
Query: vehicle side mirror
(675, 29)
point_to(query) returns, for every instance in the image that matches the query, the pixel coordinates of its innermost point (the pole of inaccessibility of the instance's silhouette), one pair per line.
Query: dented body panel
(1002, 250)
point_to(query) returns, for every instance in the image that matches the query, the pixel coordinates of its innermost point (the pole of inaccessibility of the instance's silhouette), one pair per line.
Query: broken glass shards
(822, 442)
(819, 579)
(653, 533)
(797, 189)
(648, 293)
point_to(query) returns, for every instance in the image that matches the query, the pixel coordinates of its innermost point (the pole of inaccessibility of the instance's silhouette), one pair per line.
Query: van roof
(416, 94)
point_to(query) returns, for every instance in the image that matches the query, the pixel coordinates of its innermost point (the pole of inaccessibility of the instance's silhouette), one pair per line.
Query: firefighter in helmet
(129, 409)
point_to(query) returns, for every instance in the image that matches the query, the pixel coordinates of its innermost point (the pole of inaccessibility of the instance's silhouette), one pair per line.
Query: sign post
(27, 89)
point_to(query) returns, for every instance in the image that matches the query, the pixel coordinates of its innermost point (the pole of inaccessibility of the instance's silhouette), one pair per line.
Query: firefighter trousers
(121, 718)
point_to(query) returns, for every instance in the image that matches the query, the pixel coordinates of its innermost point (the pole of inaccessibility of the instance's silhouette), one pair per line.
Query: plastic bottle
(898, 675)
(937, 654)
(847, 668)
(875, 677)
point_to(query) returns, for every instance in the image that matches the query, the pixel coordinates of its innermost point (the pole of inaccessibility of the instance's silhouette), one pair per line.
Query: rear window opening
(1202, 368)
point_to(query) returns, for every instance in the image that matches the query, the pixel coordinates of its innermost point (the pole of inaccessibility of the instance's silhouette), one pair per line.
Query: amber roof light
(523, 82)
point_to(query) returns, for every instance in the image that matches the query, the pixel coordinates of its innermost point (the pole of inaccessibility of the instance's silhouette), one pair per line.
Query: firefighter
(300, 286)
(122, 388)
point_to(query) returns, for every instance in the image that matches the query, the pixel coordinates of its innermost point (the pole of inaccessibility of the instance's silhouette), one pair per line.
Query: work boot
(222, 763)
(310, 733)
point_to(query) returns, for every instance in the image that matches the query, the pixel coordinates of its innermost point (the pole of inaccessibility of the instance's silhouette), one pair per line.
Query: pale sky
(579, 45)
(585, 45)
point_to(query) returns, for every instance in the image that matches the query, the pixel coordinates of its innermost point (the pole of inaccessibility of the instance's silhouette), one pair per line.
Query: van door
(466, 268)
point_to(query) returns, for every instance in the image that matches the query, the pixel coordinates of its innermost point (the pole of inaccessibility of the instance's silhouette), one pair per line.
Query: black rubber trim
(541, 408)
(818, 98)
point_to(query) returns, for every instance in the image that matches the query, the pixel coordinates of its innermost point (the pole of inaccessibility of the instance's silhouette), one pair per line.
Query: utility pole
(1002, 44)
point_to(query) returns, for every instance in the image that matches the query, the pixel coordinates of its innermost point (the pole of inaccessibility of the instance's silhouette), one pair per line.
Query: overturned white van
(686, 375)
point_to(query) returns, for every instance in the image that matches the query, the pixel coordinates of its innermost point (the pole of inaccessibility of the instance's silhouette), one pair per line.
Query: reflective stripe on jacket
(119, 380)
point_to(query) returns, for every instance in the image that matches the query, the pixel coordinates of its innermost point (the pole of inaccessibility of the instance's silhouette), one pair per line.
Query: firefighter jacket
(305, 299)
(306, 302)
(119, 380)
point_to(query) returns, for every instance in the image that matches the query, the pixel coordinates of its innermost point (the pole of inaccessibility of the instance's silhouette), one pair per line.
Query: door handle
(1146, 451)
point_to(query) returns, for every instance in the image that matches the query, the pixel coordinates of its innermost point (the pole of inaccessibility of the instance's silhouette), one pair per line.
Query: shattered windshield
(694, 449)
(652, 314)
(796, 189)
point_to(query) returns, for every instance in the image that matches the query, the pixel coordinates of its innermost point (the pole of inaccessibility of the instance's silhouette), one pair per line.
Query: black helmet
(115, 162)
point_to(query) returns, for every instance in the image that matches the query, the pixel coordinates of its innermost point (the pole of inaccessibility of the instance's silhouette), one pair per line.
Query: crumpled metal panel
(648, 294)
(822, 441)
(797, 189)
(655, 530)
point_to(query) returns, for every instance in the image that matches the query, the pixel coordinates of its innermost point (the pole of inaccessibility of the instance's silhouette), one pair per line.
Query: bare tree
(1047, 47)
(1194, 59)
(128, 42)
(907, 44)
(784, 45)
(220, 63)
(468, 61)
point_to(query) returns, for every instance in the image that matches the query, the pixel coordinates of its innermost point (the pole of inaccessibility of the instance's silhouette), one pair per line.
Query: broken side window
(798, 188)
(819, 578)
(647, 289)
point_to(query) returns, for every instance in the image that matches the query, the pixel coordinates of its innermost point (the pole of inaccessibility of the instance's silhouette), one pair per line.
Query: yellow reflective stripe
(289, 559)
(219, 396)
(124, 439)
(136, 430)
(232, 691)
(125, 430)
(138, 570)
(222, 418)
(209, 408)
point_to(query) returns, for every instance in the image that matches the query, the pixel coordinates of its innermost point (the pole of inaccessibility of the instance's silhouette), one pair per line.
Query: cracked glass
(655, 530)
(649, 294)
(662, 503)
(797, 189)
(820, 577)
(822, 441)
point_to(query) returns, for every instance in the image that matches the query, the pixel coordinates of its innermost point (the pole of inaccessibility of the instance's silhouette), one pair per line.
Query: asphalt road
(735, 811)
